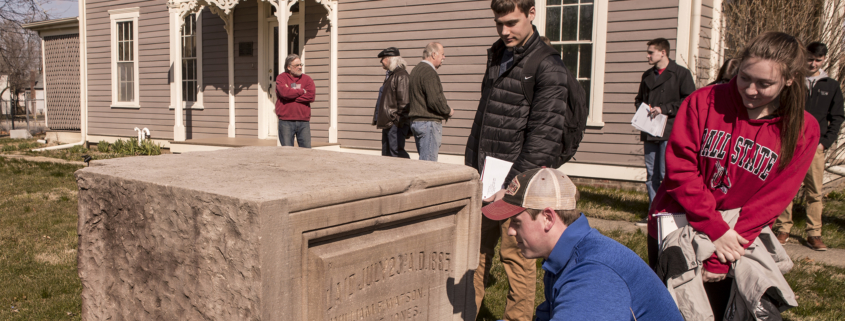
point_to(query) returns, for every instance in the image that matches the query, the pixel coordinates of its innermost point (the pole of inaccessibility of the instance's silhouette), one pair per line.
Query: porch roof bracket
(179, 9)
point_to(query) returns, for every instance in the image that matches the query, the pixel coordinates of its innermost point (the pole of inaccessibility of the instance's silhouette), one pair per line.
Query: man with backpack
(540, 128)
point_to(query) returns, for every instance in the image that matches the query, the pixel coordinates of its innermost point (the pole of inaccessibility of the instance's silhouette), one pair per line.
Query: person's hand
(499, 195)
(451, 111)
(712, 277)
(729, 246)
(654, 111)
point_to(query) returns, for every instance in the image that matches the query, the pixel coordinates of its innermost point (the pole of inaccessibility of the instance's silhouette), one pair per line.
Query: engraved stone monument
(277, 233)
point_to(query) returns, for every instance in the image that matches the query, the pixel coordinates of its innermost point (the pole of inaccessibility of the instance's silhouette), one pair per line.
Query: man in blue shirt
(588, 275)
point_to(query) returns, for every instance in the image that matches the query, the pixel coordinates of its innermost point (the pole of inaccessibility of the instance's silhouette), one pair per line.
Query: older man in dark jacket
(663, 88)
(391, 113)
(508, 127)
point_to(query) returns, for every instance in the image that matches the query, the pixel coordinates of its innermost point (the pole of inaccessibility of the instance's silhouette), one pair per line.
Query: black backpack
(575, 119)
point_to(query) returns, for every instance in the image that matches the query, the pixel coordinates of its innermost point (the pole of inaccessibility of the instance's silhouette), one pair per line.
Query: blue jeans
(655, 166)
(299, 128)
(427, 135)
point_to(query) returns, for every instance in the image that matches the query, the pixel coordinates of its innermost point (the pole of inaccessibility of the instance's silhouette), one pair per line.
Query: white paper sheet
(668, 223)
(653, 126)
(494, 175)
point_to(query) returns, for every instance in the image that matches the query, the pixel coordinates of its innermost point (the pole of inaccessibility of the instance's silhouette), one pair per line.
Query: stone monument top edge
(273, 173)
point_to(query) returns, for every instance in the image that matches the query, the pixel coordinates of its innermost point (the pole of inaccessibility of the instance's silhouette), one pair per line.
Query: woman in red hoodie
(745, 144)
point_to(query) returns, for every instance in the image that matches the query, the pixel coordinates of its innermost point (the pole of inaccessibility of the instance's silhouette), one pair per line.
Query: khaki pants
(813, 182)
(522, 272)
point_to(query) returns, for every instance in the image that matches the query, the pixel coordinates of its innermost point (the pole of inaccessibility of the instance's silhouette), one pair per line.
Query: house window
(190, 85)
(124, 49)
(125, 62)
(569, 26)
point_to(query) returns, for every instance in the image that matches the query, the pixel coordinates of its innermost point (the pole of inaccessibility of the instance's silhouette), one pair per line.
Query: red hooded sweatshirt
(719, 159)
(294, 103)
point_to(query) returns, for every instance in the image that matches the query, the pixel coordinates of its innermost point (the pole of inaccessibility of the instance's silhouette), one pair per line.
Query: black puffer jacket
(506, 126)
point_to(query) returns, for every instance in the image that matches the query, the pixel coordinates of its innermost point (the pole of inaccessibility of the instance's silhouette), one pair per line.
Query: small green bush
(10, 148)
(131, 147)
(103, 146)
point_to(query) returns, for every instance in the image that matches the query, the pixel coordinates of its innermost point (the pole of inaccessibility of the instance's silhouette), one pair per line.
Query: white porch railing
(179, 9)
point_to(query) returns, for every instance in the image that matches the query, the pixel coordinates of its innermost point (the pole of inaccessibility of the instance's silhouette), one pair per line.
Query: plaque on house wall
(245, 49)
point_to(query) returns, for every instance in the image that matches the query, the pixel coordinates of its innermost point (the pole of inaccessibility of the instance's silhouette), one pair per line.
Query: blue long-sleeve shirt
(592, 277)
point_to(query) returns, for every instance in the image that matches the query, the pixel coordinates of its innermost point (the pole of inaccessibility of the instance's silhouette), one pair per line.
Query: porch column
(333, 72)
(179, 133)
(282, 13)
(229, 25)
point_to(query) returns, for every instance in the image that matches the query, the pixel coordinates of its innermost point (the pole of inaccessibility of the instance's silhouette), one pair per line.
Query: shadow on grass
(613, 204)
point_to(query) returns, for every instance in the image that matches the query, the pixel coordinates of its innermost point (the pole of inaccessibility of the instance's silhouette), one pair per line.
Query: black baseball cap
(389, 52)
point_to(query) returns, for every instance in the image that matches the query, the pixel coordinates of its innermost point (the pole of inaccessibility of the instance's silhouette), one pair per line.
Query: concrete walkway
(43, 159)
(832, 257)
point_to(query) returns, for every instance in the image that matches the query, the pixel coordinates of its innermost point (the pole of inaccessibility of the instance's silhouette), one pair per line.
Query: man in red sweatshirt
(295, 92)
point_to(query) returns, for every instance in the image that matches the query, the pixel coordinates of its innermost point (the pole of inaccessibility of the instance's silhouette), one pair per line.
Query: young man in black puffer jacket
(824, 102)
(507, 127)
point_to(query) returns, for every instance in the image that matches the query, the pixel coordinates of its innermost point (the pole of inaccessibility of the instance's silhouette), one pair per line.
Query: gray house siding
(213, 120)
(631, 24)
(154, 67)
(317, 51)
(704, 52)
(246, 70)
(465, 29)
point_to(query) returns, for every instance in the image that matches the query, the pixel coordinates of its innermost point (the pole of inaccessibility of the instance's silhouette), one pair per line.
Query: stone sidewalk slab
(832, 257)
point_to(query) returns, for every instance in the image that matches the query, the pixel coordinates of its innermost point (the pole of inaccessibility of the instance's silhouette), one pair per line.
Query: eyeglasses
(299, 65)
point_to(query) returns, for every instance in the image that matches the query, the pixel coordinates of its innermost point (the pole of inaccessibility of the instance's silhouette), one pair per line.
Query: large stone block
(277, 233)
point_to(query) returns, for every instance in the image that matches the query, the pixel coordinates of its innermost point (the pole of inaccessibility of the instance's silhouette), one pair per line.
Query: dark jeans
(655, 166)
(393, 141)
(427, 135)
(299, 128)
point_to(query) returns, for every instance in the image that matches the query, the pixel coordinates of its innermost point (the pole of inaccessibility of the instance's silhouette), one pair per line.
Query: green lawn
(38, 279)
(38, 241)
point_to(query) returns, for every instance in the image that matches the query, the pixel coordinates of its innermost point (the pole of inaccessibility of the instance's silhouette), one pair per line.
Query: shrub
(103, 146)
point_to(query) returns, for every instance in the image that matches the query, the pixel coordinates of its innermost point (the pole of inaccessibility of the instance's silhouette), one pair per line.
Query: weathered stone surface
(270, 233)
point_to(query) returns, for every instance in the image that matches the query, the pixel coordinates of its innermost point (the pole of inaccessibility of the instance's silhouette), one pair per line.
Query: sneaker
(815, 242)
(643, 222)
(782, 237)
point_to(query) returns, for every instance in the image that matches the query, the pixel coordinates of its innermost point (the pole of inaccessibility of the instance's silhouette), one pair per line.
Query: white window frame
(198, 104)
(115, 16)
(599, 42)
